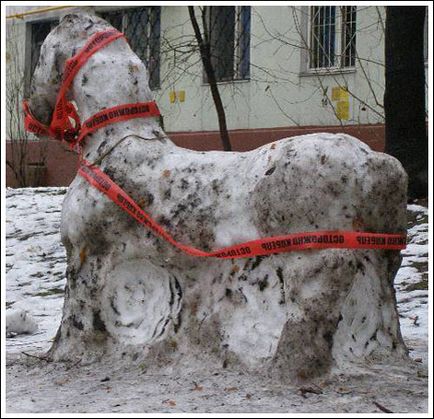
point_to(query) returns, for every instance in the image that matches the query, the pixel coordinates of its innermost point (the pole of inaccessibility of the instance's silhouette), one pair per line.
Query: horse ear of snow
(291, 315)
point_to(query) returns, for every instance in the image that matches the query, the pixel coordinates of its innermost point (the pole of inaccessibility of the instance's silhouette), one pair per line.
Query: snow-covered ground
(35, 262)
(411, 283)
(35, 267)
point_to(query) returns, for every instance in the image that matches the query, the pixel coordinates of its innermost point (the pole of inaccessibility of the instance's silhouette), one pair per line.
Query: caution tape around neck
(260, 247)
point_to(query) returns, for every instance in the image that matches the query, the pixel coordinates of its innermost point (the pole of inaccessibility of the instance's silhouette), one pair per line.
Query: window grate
(141, 26)
(228, 34)
(348, 36)
(323, 27)
(332, 42)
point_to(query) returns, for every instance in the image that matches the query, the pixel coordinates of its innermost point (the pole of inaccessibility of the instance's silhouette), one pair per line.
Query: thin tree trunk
(205, 53)
(404, 99)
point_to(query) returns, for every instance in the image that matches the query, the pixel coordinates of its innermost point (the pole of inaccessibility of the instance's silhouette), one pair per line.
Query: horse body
(296, 313)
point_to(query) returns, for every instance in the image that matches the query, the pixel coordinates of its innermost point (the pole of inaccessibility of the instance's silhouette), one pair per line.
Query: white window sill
(327, 71)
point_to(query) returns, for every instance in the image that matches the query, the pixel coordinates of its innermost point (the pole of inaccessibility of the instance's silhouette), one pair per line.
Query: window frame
(30, 64)
(237, 51)
(339, 34)
(123, 11)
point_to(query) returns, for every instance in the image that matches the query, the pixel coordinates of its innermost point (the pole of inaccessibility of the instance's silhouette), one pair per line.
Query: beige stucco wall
(280, 93)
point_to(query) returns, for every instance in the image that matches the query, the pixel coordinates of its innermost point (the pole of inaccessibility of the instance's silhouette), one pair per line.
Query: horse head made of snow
(131, 292)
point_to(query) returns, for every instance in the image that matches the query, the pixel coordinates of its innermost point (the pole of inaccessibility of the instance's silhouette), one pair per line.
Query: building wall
(62, 163)
(280, 93)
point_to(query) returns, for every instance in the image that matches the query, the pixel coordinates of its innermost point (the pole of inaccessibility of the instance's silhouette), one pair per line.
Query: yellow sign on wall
(181, 95)
(343, 110)
(342, 98)
(340, 93)
(173, 95)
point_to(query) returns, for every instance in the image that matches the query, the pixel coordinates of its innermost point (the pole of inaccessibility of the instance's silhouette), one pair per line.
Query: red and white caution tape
(260, 247)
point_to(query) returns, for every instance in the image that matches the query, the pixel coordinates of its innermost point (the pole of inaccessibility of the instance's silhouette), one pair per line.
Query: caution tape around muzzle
(61, 128)
(31, 124)
(260, 247)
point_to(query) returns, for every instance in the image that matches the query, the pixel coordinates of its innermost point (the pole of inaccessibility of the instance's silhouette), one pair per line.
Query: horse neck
(112, 77)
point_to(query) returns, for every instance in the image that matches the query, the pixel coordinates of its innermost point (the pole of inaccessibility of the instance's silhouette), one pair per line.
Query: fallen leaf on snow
(309, 389)
(197, 387)
(61, 381)
(343, 390)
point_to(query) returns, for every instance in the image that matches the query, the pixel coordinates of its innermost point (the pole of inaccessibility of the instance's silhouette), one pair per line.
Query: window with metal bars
(228, 34)
(141, 26)
(332, 41)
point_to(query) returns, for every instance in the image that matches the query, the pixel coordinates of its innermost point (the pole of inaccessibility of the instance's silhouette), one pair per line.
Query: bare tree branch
(205, 52)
